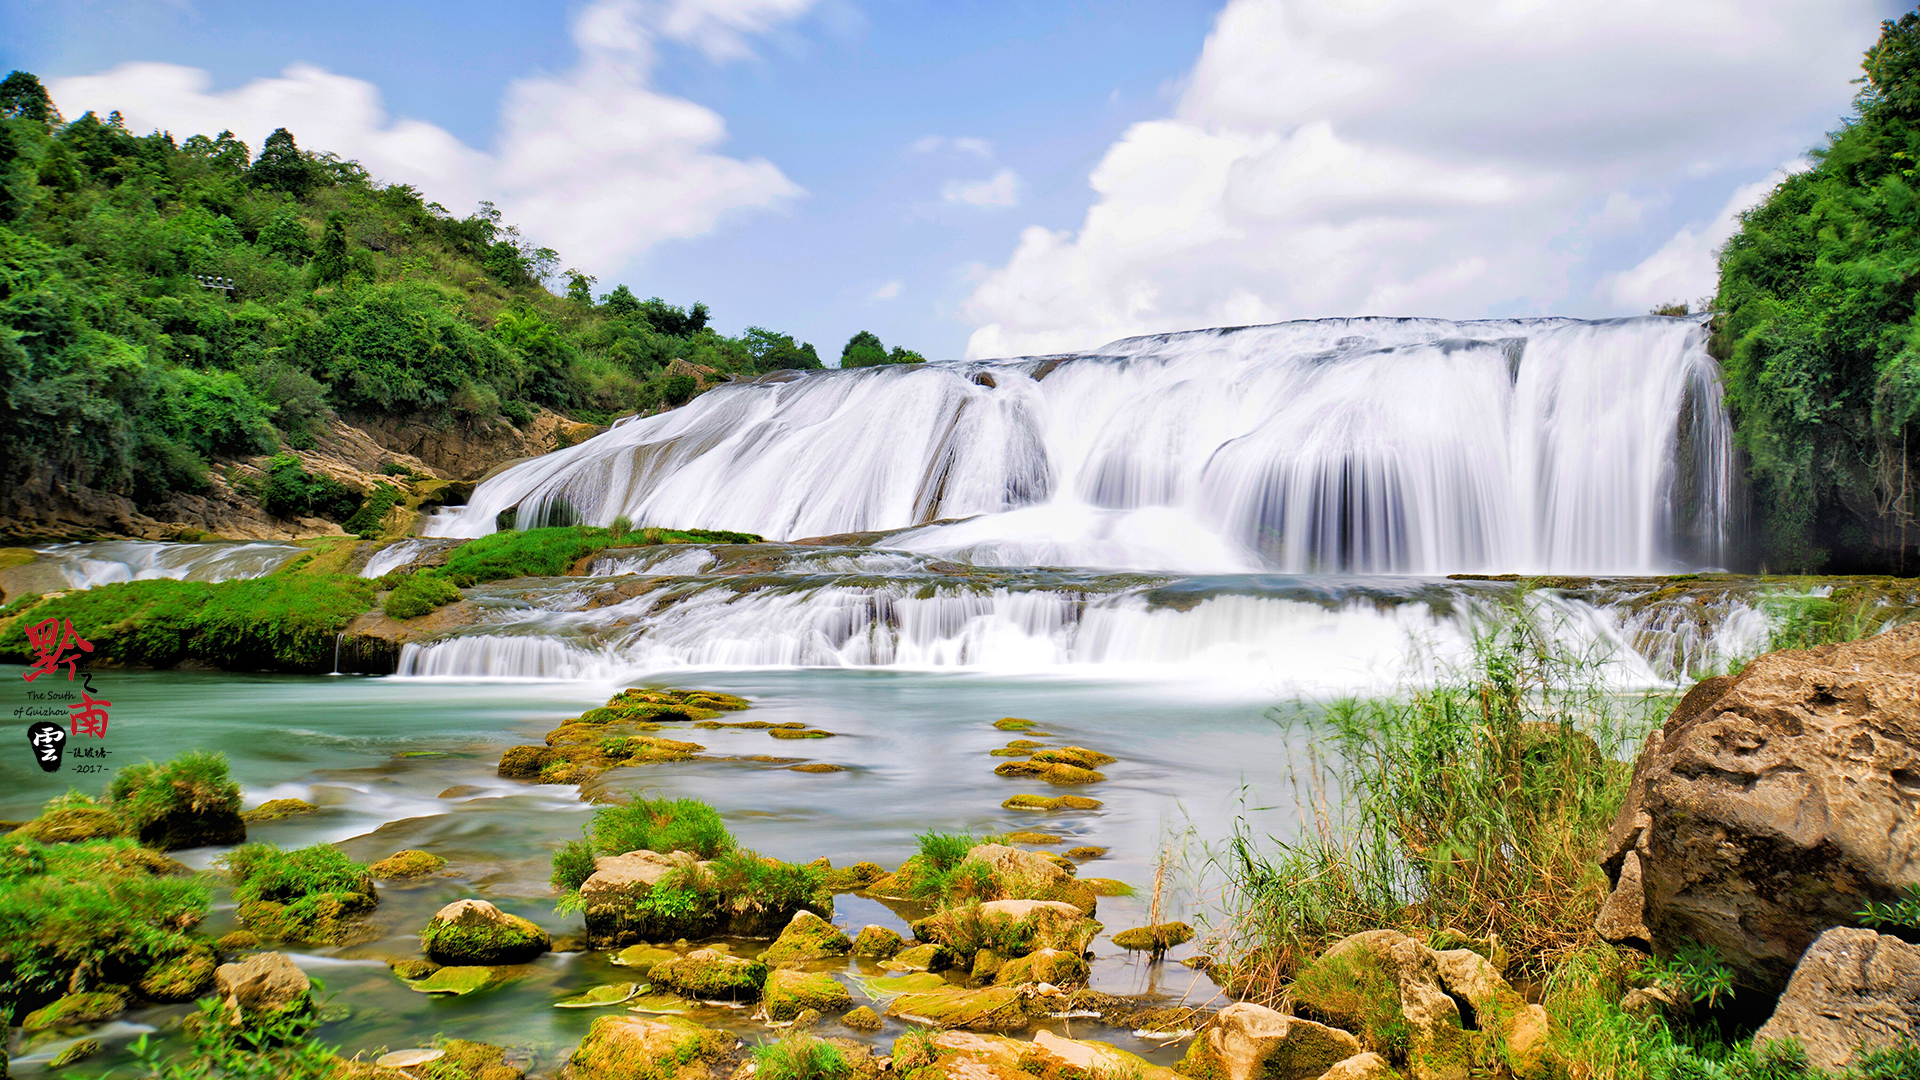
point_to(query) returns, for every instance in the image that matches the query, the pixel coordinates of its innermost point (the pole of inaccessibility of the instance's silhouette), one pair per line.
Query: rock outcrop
(807, 937)
(1245, 1041)
(474, 932)
(1770, 807)
(468, 451)
(1854, 989)
(264, 986)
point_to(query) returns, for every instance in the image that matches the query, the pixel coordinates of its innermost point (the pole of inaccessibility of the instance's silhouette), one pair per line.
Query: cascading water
(1370, 446)
(105, 562)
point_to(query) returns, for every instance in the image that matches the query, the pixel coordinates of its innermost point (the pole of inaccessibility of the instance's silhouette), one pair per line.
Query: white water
(1363, 446)
(108, 562)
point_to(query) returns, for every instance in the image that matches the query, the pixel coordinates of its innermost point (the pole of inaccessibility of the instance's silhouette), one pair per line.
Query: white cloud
(1422, 157)
(888, 291)
(999, 191)
(963, 144)
(1687, 266)
(594, 162)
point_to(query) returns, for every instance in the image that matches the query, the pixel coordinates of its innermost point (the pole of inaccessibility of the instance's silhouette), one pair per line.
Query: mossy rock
(185, 828)
(407, 864)
(70, 825)
(1101, 886)
(278, 810)
(525, 762)
(1078, 756)
(1051, 802)
(458, 980)
(817, 767)
(631, 1047)
(327, 918)
(1157, 938)
(1008, 751)
(180, 977)
(926, 957)
(789, 991)
(998, 1008)
(863, 1019)
(807, 937)
(858, 876)
(710, 975)
(472, 1061)
(75, 1053)
(1028, 837)
(912, 982)
(1051, 772)
(238, 941)
(413, 970)
(877, 943)
(642, 958)
(474, 932)
(1056, 966)
(800, 733)
(1086, 852)
(75, 1010)
(1013, 723)
(599, 997)
(986, 964)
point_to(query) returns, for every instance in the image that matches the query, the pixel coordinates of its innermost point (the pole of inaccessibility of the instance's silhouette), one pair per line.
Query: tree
(22, 96)
(621, 302)
(331, 265)
(225, 152)
(863, 350)
(580, 287)
(281, 166)
(774, 351)
(901, 355)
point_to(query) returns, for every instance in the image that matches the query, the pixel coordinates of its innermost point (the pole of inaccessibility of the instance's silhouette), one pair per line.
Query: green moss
(407, 864)
(1157, 938)
(877, 943)
(807, 937)
(458, 981)
(418, 595)
(514, 941)
(181, 977)
(708, 975)
(999, 1008)
(1013, 723)
(789, 991)
(1078, 756)
(1049, 803)
(311, 895)
(75, 1053)
(650, 1048)
(1356, 990)
(75, 1010)
(279, 810)
(72, 824)
(1051, 772)
(550, 552)
(802, 733)
(238, 941)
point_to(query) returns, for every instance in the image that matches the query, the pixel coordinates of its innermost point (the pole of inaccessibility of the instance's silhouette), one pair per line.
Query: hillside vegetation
(122, 372)
(1819, 335)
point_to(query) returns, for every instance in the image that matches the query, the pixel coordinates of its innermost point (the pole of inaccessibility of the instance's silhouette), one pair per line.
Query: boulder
(1055, 966)
(1853, 990)
(191, 827)
(1027, 875)
(1773, 805)
(181, 977)
(788, 992)
(75, 1010)
(1157, 938)
(278, 810)
(1365, 1065)
(1245, 1041)
(863, 1019)
(407, 864)
(710, 975)
(998, 1008)
(1009, 927)
(1083, 1057)
(475, 933)
(611, 898)
(807, 937)
(263, 986)
(526, 762)
(877, 943)
(72, 824)
(660, 1047)
(927, 957)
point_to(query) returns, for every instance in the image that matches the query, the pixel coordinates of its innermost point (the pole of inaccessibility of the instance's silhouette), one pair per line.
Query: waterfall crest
(1370, 446)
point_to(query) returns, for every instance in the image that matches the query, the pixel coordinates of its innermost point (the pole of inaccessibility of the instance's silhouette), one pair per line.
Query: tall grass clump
(662, 825)
(1477, 806)
(940, 873)
(193, 784)
(800, 1057)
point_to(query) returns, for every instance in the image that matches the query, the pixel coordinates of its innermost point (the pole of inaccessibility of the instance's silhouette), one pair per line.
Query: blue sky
(1012, 177)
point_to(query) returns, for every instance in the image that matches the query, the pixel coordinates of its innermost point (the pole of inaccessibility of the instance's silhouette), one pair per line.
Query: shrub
(572, 865)
(189, 788)
(662, 825)
(291, 491)
(264, 872)
(800, 1057)
(548, 552)
(418, 595)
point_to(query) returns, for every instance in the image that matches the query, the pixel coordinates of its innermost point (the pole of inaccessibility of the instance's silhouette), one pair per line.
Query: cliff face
(38, 506)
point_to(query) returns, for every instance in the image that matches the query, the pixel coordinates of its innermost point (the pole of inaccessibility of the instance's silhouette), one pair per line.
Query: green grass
(193, 784)
(550, 552)
(661, 825)
(800, 1057)
(265, 872)
(418, 594)
(284, 622)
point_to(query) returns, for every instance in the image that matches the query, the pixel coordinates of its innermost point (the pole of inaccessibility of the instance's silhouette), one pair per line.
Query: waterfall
(1361, 446)
(107, 562)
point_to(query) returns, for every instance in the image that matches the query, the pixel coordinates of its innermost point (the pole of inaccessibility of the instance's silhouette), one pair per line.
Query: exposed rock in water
(1853, 990)
(278, 809)
(407, 864)
(1156, 938)
(264, 986)
(1252, 1042)
(1055, 966)
(788, 992)
(1773, 805)
(370, 645)
(877, 943)
(999, 1008)
(710, 975)
(807, 937)
(663, 1048)
(476, 933)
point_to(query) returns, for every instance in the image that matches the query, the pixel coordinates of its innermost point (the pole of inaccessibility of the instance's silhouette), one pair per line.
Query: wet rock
(1081, 1057)
(1773, 805)
(863, 1019)
(75, 1053)
(238, 941)
(1157, 938)
(412, 970)
(181, 977)
(1077, 756)
(1028, 837)
(526, 762)
(1365, 1065)
(877, 943)
(1025, 875)
(407, 864)
(264, 986)
(986, 964)
(710, 975)
(478, 1061)
(998, 1008)
(1051, 803)
(75, 1010)
(71, 825)
(1012, 723)
(476, 933)
(612, 895)
(928, 957)
(817, 767)
(278, 810)
(642, 958)
(807, 937)
(658, 1048)
(1053, 773)
(1252, 1042)
(1055, 966)
(788, 991)
(1011, 927)
(1086, 852)
(1853, 990)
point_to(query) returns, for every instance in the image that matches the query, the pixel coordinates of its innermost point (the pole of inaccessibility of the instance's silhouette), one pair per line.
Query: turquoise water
(409, 763)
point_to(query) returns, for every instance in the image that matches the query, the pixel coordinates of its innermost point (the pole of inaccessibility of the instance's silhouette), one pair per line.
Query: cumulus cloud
(963, 144)
(593, 162)
(1425, 157)
(889, 291)
(999, 191)
(1687, 266)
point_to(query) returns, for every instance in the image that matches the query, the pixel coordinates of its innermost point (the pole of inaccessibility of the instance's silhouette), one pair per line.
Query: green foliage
(277, 1047)
(863, 350)
(572, 865)
(88, 914)
(800, 1057)
(1902, 913)
(663, 825)
(945, 851)
(1818, 339)
(419, 594)
(770, 883)
(291, 491)
(286, 622)
(365, 522)
(119, 374)
(264, 872)
(1694, 974)
(551, 551)
(193, 784)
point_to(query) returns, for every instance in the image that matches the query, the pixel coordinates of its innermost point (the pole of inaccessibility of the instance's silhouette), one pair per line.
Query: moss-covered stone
(69, 825)
(526, 762)
(1051, 772)
(817, 767)
(459, 980)
(986, 964)
(407, 864)
(474, 932)
(1010, 928)
(1107, 886)
(632, 1047)
(1086, 852)
(799, 733)
(710, 975)
(467, 1060)
(912, 982)
(807, 937)
(1157, 938)
(1030, 837)
(75, 1010)
(413, 970)
(642, 958)
(278, 809)
(998, 1008)
(1078, 756)
(1050, 803)
(927, 957)
(863, 1019)
(1258, 1043)
(181, 977)
(75, 1053)
(877, 943)
(1013, 723)
(788, 991)
(858, 876)
(238, 941)
(328, 918)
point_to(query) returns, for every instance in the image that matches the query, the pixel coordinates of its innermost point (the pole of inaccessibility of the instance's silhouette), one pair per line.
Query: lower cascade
(1362, 446)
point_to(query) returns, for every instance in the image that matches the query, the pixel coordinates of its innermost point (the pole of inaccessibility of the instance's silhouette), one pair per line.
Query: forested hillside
(1819, 335)
(123, 372)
